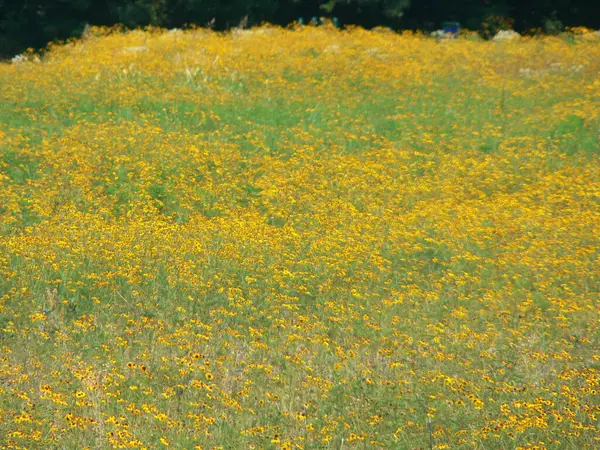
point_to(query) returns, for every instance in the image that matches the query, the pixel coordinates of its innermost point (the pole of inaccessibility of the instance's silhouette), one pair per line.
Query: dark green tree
(34, 23)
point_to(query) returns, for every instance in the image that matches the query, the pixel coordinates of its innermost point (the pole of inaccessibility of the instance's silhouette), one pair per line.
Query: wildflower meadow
(302, 238)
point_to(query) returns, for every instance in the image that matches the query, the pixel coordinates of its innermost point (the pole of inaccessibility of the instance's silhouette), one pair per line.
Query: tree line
(34, 23)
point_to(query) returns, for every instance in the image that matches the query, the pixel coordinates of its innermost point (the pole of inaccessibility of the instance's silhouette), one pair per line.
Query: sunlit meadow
(300, 239)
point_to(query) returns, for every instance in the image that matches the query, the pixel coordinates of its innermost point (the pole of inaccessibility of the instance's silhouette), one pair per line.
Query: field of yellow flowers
(300, 239)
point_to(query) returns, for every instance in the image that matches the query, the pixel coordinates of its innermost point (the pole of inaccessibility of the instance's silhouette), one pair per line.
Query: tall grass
(303, 238)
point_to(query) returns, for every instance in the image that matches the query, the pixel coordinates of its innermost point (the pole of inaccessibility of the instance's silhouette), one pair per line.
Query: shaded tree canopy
(34, 23)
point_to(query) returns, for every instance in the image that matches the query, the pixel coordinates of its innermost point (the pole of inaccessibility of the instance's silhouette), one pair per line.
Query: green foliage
(388, 8)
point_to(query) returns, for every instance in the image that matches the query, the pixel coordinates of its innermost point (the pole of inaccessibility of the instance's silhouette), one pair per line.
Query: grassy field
(309, 239)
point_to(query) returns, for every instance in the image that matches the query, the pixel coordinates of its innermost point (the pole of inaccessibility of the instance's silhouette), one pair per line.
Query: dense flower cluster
(300, 239)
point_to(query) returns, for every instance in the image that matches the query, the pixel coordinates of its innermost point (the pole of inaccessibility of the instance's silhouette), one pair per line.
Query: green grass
(302, 250)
